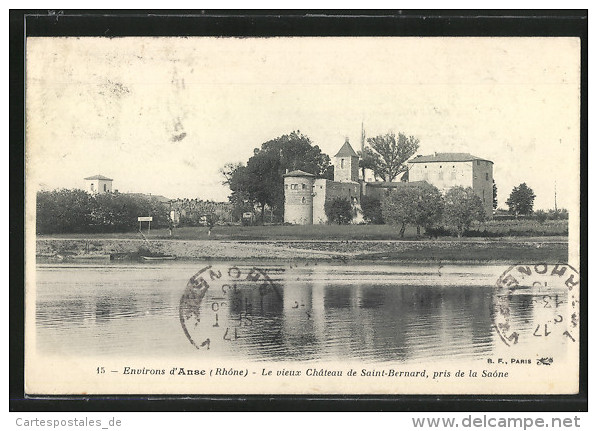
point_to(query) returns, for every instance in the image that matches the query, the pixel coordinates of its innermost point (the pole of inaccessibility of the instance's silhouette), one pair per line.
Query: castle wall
(326, 190)
(298, 200)
(320, 192)
(375, 192)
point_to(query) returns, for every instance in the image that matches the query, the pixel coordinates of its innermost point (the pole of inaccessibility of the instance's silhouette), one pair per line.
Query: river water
(309, 311)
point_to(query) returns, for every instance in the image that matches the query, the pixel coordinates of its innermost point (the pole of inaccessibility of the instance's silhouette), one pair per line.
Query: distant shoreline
(465, 250)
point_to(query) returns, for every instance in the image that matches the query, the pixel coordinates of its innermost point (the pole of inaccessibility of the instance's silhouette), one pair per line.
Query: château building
(446, 170)
(305, 195)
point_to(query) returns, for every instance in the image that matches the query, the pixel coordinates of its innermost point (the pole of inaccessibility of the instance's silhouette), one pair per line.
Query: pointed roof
(99, 177)
(446, 157)
(346, 151)
(298, 173)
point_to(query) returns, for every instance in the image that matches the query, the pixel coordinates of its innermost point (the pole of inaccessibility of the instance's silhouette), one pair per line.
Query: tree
(521, 200)
(388, 154)
(260, 182)
(236, 178)
(462, 207)
(338, 210)
(62, 211)
(416, 204)
(368, 159)
(371, 207)
(495, 200)
(264, 181)
(430, 206)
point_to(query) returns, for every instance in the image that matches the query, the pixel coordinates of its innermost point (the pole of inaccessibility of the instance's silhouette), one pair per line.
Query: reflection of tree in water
(110, 307)
(257, 310)
(397, 322)
(338, 297)
(307, 320)
(61, 311)
(521, 306)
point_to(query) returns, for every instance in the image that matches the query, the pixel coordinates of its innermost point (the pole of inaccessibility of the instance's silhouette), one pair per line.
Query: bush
(338, 210)
(476, 233)
(371, 210)
(541, 216)
(557, 214)
(434, 232)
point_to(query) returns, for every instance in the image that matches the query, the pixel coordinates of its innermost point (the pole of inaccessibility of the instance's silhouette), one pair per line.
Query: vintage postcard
(314, 215)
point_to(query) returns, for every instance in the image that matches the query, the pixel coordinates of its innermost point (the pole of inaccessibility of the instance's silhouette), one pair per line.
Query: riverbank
(521, 229)
(528, 250)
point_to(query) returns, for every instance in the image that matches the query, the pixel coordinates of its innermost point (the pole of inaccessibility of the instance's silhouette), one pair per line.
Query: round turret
(298, 197)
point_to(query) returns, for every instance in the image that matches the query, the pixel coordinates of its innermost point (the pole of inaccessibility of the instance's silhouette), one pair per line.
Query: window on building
(478, 162)
(92, 187)
(104, 187)
(440, 166)
(342, 163)
(483, 196)
(486, 176)
(286, 186)
(303, 200)
(304, 186)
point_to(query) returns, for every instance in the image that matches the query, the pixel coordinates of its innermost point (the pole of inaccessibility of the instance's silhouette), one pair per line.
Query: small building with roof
(447, 170)
(98, 184)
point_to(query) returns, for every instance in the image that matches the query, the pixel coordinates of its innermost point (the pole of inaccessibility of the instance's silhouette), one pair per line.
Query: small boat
(91, 257)
(167, 257)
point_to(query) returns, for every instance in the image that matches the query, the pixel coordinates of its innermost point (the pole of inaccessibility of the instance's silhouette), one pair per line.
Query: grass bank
(505, 229)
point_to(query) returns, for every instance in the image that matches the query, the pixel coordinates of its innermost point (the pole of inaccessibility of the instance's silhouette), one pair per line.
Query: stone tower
(298, 197)
(346, 164)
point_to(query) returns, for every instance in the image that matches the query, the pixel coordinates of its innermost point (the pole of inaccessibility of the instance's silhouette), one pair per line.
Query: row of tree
(76, 211)
(423, 205)
(420, 205)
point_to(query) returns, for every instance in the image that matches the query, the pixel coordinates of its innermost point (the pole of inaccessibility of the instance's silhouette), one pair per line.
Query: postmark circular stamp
(539, 301)
(224, 303)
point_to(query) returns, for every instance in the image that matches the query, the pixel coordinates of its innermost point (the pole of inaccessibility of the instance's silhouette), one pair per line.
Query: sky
(163, 115)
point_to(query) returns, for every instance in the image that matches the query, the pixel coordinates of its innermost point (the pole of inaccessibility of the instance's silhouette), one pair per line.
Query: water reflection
(328, 312)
